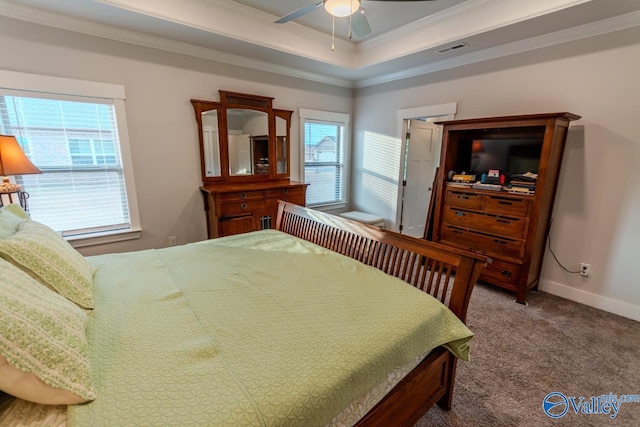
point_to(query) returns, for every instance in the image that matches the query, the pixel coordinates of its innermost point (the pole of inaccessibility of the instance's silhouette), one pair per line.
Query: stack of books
(522, 184)
(460, 184)
(492, 187)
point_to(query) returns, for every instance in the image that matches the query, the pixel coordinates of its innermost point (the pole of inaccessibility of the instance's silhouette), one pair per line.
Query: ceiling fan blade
(360, 24)
(300, 12)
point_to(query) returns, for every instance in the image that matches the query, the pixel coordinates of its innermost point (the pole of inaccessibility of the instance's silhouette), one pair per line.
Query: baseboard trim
(593, 300)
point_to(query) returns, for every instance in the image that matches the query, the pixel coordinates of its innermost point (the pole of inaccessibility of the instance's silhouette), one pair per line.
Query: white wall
(595, 219)
(162, 125)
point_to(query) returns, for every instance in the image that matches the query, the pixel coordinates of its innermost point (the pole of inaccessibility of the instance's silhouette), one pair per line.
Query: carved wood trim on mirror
(244, 151)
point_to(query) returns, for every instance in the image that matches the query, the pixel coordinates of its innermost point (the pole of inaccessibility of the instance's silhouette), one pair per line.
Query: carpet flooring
(521, 353)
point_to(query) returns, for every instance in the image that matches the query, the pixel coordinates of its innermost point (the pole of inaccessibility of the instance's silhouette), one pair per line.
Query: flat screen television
(510, 156)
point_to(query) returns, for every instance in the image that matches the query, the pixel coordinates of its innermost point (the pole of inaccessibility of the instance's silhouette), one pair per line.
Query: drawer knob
(502, 242)
(506, 273)
(243, 195)
(285, 191)
(458, 232)
(502, 202)
(458, 213)
(503, 221)
(463, 197)
(243, 206)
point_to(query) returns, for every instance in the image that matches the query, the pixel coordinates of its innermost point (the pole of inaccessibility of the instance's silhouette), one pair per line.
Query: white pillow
(29, 387)
(45, 255)
(44, 354)
(11, 216)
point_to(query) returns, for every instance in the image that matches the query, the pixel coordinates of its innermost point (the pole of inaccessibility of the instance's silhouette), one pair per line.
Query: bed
(308, 324)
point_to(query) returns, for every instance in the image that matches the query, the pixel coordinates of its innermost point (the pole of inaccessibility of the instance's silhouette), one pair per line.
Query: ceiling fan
(340, 8)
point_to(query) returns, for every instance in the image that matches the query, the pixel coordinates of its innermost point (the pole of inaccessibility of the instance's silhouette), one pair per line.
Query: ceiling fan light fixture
(341, 8)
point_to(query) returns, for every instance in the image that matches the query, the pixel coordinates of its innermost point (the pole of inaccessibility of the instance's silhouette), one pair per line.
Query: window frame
(329, 117)
(17, 84)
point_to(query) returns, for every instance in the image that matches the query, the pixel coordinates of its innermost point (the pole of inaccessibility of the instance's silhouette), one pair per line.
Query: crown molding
(428, 21)
(230, 19)
(604, 26)
(239, 22)
(456, 23)
(50, 19)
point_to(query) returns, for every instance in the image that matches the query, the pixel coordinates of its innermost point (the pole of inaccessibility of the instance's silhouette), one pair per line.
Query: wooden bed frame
(446, 273)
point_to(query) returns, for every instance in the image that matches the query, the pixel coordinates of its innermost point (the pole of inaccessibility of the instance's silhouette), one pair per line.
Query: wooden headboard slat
(426, 265)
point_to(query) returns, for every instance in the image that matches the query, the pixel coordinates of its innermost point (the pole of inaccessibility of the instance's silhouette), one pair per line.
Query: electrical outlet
(586, 269)
(173, 240)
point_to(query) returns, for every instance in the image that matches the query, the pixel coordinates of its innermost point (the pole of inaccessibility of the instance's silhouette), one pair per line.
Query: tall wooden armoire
(510, 225)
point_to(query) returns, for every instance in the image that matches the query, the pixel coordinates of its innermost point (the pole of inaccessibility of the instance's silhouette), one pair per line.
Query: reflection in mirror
(248, 134)
(281, 145)
(210, 140)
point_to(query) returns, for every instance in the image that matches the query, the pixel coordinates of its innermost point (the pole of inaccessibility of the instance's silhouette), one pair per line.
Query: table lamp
(13, 161)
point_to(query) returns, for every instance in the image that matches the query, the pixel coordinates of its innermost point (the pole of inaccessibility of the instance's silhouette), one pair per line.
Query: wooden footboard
(426, 385)
(447, 274)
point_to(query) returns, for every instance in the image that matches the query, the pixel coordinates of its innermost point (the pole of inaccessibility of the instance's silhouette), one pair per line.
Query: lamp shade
(13, 161)
(341, 8)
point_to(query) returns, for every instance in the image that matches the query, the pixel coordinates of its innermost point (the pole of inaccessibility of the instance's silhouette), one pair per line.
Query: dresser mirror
(248, 141)
(212, 155)
(211, 143)
(242, 138)
(283, 122)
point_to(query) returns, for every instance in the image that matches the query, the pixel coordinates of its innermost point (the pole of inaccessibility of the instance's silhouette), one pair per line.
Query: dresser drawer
(488, 223)
(282, 193)
(234, 208)
(483, 243)
(502, 273)
(241, 195)
(237, 224)
(506, 205)
(464, 200)
(296, 200)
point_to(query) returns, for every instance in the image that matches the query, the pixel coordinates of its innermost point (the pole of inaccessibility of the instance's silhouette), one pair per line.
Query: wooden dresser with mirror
(245, 162)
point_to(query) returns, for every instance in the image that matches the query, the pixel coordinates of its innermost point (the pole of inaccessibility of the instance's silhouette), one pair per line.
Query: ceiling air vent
(453, 47)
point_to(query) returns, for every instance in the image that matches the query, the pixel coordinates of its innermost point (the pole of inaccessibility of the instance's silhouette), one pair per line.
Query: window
(92, 152)
(324, 156)
(79, 143)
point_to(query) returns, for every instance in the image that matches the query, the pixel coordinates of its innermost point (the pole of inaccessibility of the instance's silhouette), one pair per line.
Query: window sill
(94, 239)
(328, 206)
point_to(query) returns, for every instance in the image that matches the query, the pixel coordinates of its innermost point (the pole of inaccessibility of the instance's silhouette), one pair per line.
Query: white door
(420, 168)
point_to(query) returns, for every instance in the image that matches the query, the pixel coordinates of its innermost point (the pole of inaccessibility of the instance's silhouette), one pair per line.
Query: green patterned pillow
(41, 252)
(42, 335)
(11, 216)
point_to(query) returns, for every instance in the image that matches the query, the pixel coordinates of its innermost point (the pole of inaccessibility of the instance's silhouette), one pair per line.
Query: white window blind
(323, 150)
(324, 138)
(74, 141)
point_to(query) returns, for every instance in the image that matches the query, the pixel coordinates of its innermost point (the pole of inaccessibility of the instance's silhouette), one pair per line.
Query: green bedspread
(255, 329)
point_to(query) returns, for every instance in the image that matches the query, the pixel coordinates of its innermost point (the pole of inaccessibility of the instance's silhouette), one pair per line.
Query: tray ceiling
(405, 38)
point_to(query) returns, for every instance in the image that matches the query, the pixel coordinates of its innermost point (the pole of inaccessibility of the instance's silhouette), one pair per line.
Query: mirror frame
(286, 116)
(200, 107)
(235, 100)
